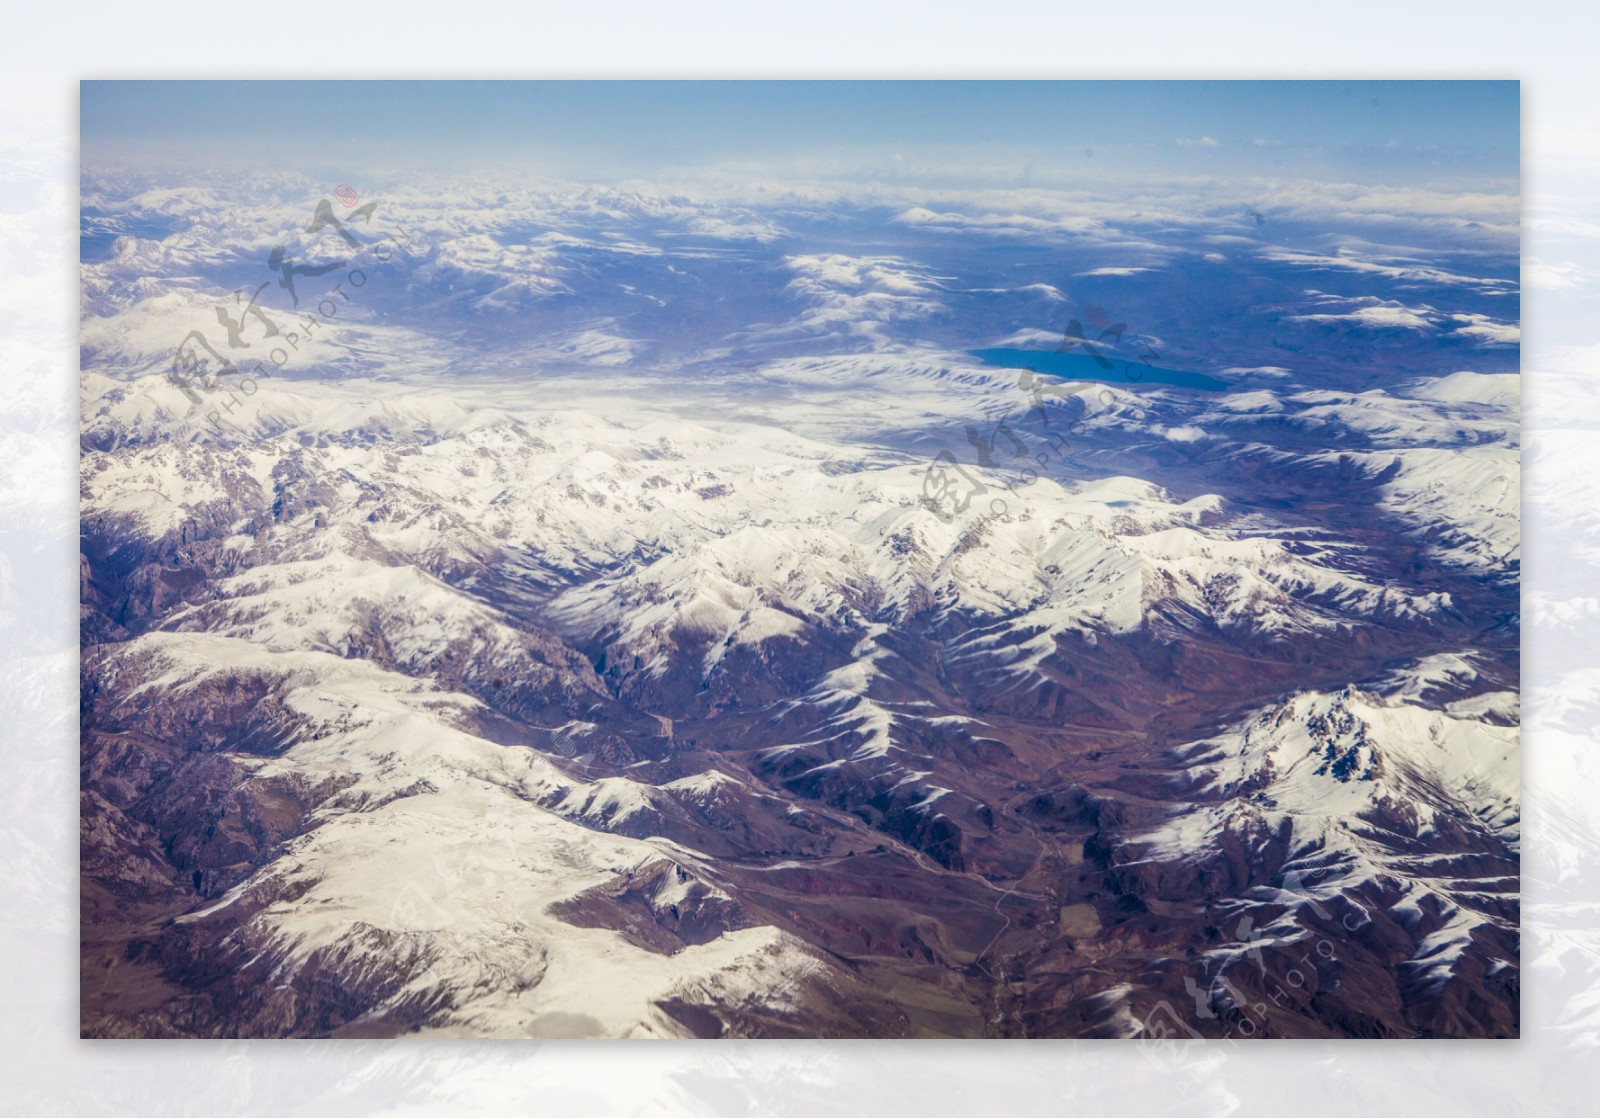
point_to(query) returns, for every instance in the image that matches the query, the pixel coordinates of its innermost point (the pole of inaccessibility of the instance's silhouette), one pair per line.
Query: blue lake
(1077, 366)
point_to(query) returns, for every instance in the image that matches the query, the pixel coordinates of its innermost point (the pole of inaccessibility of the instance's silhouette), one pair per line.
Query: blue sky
(1374, 131)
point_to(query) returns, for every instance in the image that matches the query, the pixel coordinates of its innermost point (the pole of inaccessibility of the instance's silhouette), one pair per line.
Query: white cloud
(1394, 268)
(1548, 276)
(1379, 315)
(1015, 224)
(1202, 142)
(861, 295)
(1257, 370)
(1491, 331)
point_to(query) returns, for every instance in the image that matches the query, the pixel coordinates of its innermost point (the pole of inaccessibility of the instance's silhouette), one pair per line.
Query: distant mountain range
(571, 639)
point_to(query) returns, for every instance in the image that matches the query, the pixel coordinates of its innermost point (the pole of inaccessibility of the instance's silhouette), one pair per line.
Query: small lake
(1076, 366)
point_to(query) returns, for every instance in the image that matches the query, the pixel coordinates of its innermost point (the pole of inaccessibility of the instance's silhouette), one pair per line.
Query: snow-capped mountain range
(576, 635)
